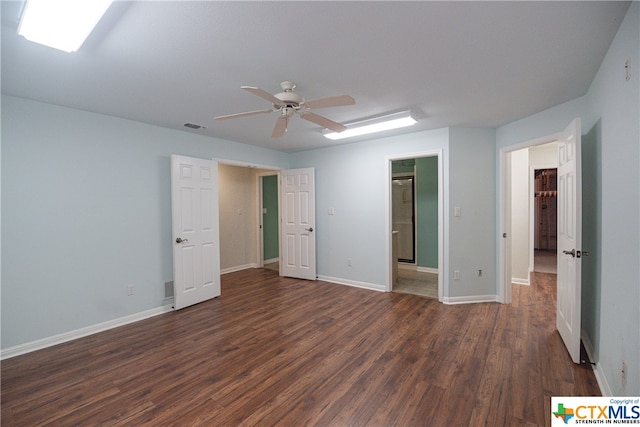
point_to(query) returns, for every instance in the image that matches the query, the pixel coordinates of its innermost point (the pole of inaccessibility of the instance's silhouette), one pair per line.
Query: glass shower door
(403, 217)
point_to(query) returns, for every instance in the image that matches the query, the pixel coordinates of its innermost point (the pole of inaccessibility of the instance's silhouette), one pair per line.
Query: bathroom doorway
(415, 213)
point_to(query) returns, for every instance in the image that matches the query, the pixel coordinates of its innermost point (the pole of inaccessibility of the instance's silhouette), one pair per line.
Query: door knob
(181, 240)
(572, 252)
(310, 229)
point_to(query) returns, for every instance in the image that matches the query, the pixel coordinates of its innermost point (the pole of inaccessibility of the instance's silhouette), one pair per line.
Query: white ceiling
(468, 64)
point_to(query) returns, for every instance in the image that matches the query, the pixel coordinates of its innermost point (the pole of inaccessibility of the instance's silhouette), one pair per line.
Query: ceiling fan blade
(248, 113)
(332, 101)
(281, 127)
(263, 94)
(323, 121)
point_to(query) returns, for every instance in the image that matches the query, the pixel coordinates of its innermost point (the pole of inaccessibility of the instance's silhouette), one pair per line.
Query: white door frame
(442, 276)
(504, 214)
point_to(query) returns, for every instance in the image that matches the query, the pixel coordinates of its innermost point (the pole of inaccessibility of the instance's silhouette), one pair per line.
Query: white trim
(353, 283)
(601, 378)
(427, 270)
(519, 281)
(238, 268)
(247, 164)
(80, 333)
(272, 260)
(413, 267)
(470, 299)
(605, 390)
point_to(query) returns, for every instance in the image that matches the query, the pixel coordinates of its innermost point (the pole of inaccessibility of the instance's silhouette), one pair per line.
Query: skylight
(61, 24)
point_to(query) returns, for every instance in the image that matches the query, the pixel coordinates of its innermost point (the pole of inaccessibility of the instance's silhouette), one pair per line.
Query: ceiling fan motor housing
(290, 99)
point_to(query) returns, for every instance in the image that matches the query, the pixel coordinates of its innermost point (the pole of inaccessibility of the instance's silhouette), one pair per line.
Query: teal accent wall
(403, 166)
(426, 180)
(270, 219)
(427, 207)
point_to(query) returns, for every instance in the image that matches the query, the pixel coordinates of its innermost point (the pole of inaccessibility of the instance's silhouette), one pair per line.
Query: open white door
(298, 240)
(194, 209)
(569, 289)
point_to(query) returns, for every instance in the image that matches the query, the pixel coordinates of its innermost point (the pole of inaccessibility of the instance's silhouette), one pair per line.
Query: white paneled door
(569, 290)
(194, 208)
(298, 240)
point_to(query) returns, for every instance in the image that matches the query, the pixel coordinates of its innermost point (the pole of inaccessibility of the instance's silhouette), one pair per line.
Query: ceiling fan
(288, 103)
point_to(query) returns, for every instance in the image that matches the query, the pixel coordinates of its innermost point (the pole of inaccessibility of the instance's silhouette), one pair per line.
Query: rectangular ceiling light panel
(379, 124)
(61, 24)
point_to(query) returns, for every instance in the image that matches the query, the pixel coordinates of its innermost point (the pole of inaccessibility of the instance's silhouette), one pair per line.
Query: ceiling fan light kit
(377, 124)
(289, 103)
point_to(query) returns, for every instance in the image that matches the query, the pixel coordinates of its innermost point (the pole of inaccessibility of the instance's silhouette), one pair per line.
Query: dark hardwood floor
(279, 351)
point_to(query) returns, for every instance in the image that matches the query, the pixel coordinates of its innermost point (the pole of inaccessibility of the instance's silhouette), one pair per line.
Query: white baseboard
(18, 350)
(271, 261)
(601, 378)
(238, 268)
(407, 266)
(413, 267)
(519, 281)
(470, 299)
(354, 283)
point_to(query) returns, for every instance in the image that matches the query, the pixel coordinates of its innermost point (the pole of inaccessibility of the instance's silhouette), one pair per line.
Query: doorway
(532, 211)
(545, 220)
(569, 237)
(415, 193)
(240, 215)
(268, 214)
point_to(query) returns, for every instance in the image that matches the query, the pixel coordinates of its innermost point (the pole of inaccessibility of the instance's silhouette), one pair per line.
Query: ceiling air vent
(193, 126)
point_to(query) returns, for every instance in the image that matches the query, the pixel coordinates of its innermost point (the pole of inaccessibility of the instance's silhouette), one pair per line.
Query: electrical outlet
(456, 275)
(131, 290)
(349, 262)
(627, 69)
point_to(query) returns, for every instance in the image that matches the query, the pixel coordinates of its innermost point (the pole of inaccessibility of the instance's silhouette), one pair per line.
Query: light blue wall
(85, 212)
(472, 234)
(610, 113)
(357, 229)
(615, 103)
(352, 179)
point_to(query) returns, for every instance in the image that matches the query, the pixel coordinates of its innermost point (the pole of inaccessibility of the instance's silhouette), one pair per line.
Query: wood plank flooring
(279, 351)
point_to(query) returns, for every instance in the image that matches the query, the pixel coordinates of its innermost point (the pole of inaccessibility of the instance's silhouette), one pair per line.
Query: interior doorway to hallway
(240, 215)
(533, 211)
